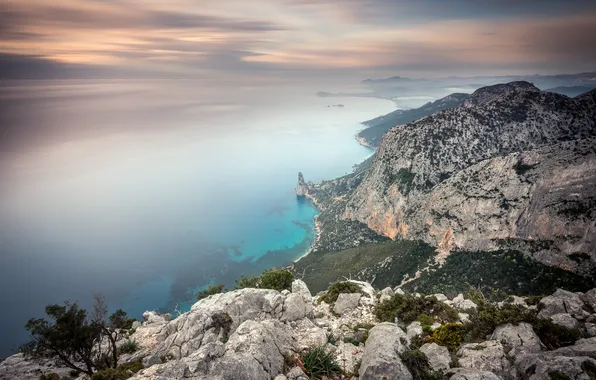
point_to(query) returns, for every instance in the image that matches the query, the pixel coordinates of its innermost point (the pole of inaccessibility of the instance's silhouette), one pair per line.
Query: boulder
(398, 290)
(414, 329)
(562, 302)
(294, 308)
(590, 329)
(152, 317)
(347, 356)
(520, 338)
(296, 373)
(540, 366)
(19, 367)
(565, 320)
(280, 377)
(368, 293)
(441, 297)
(386, 294)
(464, 317)
(461, 303)
(470, 374)
(299, 287)
(485, 356)
(583, 347)
(438, 356)
(590, 299)
(381, 358)
(514, 300)
(307, 334)
(346, 302)
(136, 325)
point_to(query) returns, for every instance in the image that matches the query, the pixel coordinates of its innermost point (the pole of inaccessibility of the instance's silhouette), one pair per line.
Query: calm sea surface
(149, 190)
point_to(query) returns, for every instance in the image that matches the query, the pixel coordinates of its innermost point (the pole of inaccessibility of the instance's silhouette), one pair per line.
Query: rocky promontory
(362, 333)
(301, 186)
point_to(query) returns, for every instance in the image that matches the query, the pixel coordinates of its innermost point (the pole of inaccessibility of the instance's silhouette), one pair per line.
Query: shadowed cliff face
(512, 166)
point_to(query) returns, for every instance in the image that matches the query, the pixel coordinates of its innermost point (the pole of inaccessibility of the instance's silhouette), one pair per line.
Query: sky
(273, 40)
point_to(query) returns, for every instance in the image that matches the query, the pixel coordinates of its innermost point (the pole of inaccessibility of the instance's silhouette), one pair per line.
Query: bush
(122, 372)
(247, 282)
(74, 373)
(337, 288)
(276, 279)
(417, 364)
(450, 335)
(211, 290)
(554, 336)
(317, 364)
(408, 308)
(128, 347)
(488, 316)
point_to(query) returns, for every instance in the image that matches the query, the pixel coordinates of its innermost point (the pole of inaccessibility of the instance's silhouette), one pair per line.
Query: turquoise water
(147, 191)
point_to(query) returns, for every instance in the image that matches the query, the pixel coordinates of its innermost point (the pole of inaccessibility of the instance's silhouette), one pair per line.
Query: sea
(149, 190)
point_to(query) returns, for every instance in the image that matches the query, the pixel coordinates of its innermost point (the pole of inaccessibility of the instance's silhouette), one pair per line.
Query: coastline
(362, 141)
(317, 228)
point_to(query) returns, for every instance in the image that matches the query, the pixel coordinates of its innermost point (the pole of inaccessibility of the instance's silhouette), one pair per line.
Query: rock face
(346, 302)
(255, 334)
(517, 338)
(302, 186)
(438, 356)
(457, 180)
(381, 359)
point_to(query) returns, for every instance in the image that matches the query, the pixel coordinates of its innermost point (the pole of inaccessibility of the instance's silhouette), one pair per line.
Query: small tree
(211, 290)
(71, 338)
(74, 338)
(277, 279)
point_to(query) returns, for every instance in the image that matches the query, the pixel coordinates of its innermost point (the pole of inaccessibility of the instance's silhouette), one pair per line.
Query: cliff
(512, 166)
(302, 186)
(362, 333)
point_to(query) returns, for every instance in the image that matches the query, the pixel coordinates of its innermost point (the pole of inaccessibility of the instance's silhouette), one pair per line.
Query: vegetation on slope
(508, 271)
(382, 264)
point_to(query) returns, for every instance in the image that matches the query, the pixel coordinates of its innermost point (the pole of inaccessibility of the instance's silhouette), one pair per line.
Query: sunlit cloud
(238, 38)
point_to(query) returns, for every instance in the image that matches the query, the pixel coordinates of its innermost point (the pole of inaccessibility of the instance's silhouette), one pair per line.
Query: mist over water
(147, 190)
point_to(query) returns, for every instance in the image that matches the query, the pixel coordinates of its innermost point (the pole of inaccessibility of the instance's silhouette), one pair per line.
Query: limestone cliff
(302, 186)
(512, 165)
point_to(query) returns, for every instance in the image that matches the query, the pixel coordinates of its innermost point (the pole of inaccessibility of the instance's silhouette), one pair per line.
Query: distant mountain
(512, 169)
(377, 127)
(571, 91)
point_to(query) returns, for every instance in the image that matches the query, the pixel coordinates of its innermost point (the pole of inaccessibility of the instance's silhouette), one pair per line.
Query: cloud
(233, 38)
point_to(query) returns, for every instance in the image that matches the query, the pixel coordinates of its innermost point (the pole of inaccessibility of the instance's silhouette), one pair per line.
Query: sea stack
(301, 187)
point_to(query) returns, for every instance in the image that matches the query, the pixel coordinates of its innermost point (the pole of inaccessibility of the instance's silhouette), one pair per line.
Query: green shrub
(317, 363)
(129, 347)
(247, 282)
(211, 290)
(120, 320)
(450, 335)
(408, 308)
(555, 336)
(74, 373)
(122, 372)
(337, 288)
(417, 364)
(276, 279)
(488, 316)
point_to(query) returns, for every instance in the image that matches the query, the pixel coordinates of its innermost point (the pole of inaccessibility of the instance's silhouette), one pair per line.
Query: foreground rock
(254, 334)
(381, 359)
